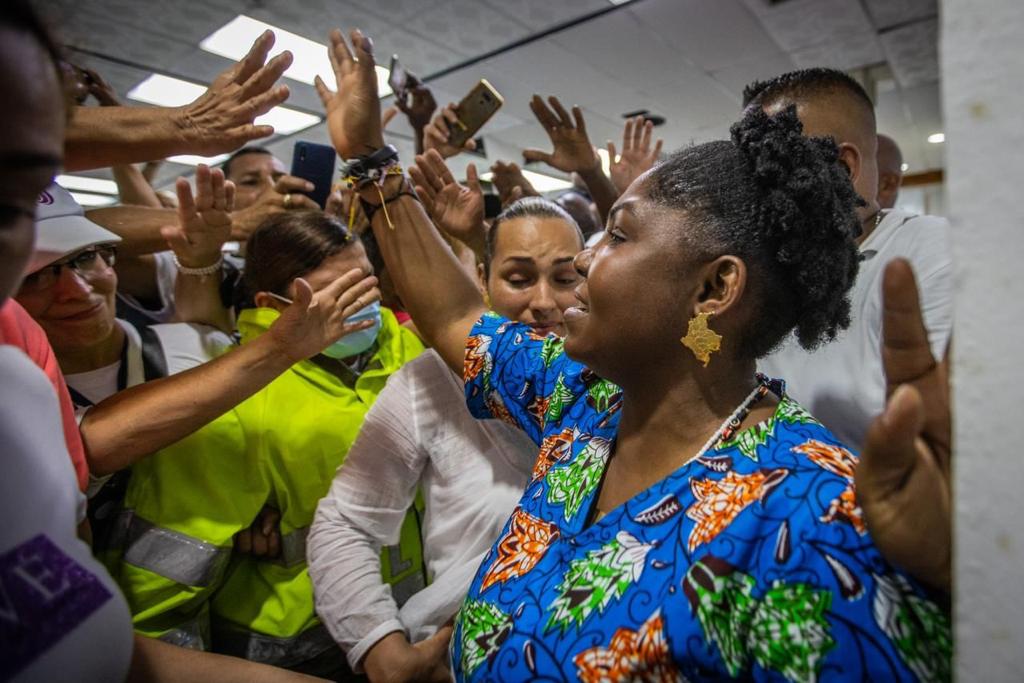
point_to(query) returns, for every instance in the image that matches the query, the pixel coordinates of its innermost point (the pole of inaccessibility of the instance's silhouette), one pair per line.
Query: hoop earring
(701, 339)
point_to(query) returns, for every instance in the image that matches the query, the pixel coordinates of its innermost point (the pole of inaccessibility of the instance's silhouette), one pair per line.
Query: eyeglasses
(86, 262)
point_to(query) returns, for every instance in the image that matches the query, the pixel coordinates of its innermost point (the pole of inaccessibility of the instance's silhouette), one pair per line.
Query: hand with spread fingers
(314, 321)
(510, 183)
(421, 107)
(637, 156)
(455, 208)
(435, 135)
(353, 110)
(284, 195)
(903, 479)
(204, 221)
(222, 118)
(572, 148)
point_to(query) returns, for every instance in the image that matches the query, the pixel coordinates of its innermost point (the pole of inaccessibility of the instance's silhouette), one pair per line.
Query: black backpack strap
(154, 362)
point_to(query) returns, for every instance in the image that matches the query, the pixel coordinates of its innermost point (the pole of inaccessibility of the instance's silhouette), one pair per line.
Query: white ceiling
(687, 60)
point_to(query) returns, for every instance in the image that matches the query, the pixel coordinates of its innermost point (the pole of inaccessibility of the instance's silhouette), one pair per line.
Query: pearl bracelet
(205, 270)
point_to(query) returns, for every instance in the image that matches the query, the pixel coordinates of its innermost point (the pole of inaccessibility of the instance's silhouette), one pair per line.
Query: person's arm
(143, 419)
(133, 188)
(221, 120)
(204, 225)
(154, 661)
(437, 292)
(138, 226)
(363, 511)
(572, 150)
(903, 480)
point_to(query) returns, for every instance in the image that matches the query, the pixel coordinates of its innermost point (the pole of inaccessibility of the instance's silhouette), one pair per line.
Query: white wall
(982, 66)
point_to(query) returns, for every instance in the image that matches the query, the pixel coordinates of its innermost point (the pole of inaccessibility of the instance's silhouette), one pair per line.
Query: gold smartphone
(474, 111)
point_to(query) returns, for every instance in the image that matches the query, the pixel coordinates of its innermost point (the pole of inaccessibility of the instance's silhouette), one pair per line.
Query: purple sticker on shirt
(44, 595)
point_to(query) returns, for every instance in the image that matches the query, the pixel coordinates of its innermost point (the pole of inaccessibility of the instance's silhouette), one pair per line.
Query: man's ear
(724, 281)
(264, 300)
(850, 156)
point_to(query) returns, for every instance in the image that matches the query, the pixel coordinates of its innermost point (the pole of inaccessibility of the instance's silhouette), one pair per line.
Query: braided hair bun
(783, 203)
(805, 210)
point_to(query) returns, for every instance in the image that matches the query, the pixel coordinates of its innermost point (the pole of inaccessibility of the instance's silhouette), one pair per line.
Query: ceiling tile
(736, 77)
(888, 13)
(850, 52)
(912, 52)
(542, 14)
(802, 23)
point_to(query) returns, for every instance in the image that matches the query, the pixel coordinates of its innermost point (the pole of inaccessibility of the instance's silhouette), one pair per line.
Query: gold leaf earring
(701, 339)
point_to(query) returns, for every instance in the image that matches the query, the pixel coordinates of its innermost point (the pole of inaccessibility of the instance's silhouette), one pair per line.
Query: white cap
(62, 228)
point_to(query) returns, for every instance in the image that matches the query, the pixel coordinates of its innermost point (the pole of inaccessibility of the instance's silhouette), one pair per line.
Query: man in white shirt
(843, 383)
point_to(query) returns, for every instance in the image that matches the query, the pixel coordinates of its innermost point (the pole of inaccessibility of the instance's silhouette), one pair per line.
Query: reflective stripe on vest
(258, 647)
(188, 635)
(174, 555)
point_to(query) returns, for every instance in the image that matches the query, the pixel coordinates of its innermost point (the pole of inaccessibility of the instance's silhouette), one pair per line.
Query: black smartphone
(398, 79)
(315, 163)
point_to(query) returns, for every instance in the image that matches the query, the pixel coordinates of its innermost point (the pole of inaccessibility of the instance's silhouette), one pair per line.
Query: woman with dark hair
(280, 449)
(419, 440)
(686, 518)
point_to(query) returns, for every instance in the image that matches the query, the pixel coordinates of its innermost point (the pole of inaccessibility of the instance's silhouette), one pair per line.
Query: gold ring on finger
(287, 201)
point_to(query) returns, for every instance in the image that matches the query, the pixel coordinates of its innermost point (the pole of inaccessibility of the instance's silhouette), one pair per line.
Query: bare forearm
(155, 662)
(143, 419)
(138, 226)
(602, 190)
(197, 300)
(133, 188)
(110, 136)
(438, 293)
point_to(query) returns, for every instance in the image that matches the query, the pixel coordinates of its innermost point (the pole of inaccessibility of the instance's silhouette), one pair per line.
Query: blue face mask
(357, 342)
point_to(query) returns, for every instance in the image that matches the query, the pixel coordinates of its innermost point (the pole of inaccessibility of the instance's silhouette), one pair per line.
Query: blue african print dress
(751, 562)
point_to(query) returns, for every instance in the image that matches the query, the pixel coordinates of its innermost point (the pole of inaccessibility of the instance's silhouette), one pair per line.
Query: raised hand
(283, 195)
(353, 111)
(204, 222)
(221, 120)
(312, 322)
(637, 156)
(421, 108)
(511, 184)
(572, 148)
(457, 209)
(100, 89)
(435, 135)
(903, 480)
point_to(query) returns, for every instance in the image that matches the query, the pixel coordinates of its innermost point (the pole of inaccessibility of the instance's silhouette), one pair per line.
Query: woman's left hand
(314, 321)
(353, 111)
(204, 222)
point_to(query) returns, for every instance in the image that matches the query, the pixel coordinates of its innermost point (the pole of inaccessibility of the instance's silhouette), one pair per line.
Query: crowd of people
(398, 439)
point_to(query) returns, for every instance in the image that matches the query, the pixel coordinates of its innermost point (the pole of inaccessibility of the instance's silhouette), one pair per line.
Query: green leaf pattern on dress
(917, 628)
(572, 484)
(592, 582)
(484, 628)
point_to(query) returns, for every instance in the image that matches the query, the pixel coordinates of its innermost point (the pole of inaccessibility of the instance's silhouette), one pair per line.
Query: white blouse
(472, 473)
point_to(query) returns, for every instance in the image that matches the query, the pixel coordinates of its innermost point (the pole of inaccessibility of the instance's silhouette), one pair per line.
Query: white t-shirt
(843, 383)
(61, 615)
(472, 473)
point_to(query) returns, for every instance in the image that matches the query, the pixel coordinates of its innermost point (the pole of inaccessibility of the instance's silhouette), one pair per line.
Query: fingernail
(309, 187)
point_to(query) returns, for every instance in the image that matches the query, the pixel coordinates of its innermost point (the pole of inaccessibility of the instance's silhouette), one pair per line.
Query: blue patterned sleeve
(511, 373)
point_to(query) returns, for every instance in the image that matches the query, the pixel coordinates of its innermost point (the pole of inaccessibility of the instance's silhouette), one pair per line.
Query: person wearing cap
(69, 291)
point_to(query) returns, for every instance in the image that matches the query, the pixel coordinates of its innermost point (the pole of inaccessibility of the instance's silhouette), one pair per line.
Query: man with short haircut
(843, 383)
(262, 188)
(890, 171)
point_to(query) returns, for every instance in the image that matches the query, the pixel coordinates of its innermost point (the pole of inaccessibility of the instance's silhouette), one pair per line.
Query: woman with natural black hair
(685, 517)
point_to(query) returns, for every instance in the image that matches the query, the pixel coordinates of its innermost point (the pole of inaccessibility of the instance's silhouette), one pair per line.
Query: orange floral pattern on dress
(553, 449)
(720, 501)
(538, 408)
(476, 356)
(842, 462)
(520, 550)
(641, 655)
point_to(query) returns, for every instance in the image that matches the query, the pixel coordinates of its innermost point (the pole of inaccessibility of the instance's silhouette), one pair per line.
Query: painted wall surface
(982, 65)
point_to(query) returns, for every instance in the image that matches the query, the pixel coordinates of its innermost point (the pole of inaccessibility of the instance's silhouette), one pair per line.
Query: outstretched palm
(456, 208)
(572, 148)
(353, 111)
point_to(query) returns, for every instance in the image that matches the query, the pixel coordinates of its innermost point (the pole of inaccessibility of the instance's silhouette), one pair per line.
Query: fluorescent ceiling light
(904, 167)
(936, 138)
(234, 39)
(540, 182)
(193, 160)
(89, 199)
(165, 91)
(87, 184)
